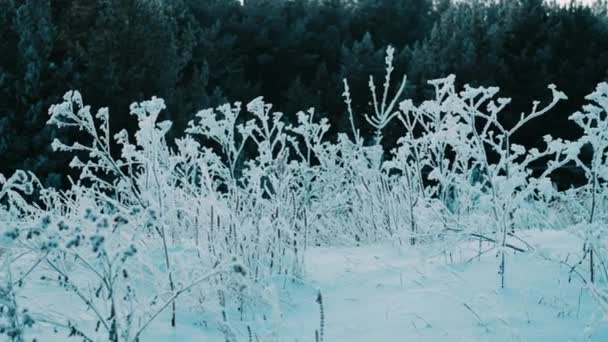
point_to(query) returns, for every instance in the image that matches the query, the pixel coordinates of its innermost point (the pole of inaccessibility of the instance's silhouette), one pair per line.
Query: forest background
(197, 54)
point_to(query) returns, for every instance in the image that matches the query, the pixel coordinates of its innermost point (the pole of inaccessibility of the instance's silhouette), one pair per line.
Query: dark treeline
(201, 53)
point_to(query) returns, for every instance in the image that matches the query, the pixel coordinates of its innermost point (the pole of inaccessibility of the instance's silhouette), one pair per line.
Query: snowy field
(384, 293)
(451, 236)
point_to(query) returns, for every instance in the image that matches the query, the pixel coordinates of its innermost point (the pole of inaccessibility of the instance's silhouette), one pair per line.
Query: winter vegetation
(382, 188)
(153, 230)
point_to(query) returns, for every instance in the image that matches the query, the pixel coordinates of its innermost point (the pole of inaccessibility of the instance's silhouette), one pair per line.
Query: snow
(385, 293)
(379, 293)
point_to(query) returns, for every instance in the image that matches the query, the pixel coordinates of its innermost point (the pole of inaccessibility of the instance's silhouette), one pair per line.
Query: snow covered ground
(381, 294)
(384, 293)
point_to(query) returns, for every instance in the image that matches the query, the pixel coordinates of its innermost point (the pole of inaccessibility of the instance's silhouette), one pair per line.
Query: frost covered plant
(321, 331)
(80, 255)
(258, 214)
(151, 186)
(73, 113)
(220, 126)
(458, 157)
(13, 193)
(374, 197)
(134, 179)
(91, 253)
(15, 209)
(509, 181)
(593, 121)
(383, 110)
(14, 320)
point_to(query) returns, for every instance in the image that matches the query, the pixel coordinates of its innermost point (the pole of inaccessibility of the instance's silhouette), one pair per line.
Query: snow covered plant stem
(105, 172)
(594, 122)
(383, 112)
(160, 229)
(509, 179)
(13, 319)
(485, 173)
(229, 268)
(348, 101)
(14, 210)
(66, 115)
(320, 333)
(220, 126)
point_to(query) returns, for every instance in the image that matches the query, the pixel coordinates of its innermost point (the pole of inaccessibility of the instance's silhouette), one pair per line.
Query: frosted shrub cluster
(154, 227)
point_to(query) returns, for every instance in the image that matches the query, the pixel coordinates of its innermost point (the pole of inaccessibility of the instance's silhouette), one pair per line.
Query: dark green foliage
(295, 53)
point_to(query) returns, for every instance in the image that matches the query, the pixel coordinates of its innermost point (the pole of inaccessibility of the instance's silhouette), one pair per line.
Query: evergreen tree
(295, 53)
